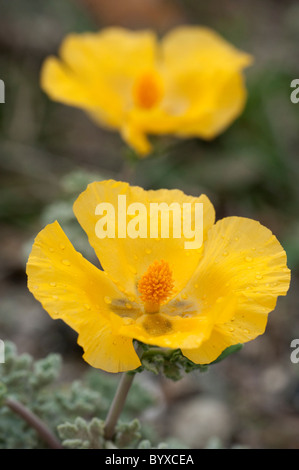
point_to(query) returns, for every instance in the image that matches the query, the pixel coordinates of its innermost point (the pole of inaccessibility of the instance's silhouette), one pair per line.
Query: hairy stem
(34, 421)
(117, 404)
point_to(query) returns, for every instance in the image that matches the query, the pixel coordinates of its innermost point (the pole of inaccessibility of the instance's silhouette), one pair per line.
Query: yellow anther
(156, 285)
(147, 90)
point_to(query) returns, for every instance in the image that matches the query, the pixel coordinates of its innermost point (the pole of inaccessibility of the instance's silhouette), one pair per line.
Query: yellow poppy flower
(189, 84)
(154, 289)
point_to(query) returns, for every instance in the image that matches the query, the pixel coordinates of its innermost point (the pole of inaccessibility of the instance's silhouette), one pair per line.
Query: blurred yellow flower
(153, 289)
(189, 84)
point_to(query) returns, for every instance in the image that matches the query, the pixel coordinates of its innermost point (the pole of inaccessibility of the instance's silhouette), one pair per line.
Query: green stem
(34, 422)
(117, 404)
(130, 162)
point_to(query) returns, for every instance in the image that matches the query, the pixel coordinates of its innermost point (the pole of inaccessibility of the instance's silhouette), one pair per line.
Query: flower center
(147, 90)
(155, 286)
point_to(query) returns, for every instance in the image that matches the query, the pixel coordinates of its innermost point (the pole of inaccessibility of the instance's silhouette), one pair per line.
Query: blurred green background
(49, 152)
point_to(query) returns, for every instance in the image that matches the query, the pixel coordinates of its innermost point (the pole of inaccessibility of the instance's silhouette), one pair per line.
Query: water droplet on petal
(248, 259)
(133, 269)
(259, 276)
(225, 253)
(87, 306)
(107, 300)
(52, 249)
(231, 329)
(62, 246)
(148, 251)
(66, 262)
(53, 284)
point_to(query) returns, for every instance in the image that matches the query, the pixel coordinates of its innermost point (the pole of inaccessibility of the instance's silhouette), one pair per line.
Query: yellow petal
(62, 84)
(127, 259)
(243, 260)
(136, 139)
(201, 47)
(206, 82)
(116, 51)
(210, 350)
(105, 349)
(169, 331)
(72, 289)
(214, 108)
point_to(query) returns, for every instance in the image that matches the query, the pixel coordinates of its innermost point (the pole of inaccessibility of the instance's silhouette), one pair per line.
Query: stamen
(147, 90)
(156, 285)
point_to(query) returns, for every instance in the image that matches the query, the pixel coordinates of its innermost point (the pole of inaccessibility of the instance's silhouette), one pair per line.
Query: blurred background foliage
(49, 152)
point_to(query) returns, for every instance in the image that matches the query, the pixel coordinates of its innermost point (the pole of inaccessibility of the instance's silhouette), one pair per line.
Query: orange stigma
(156, 285)
(147, 90)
